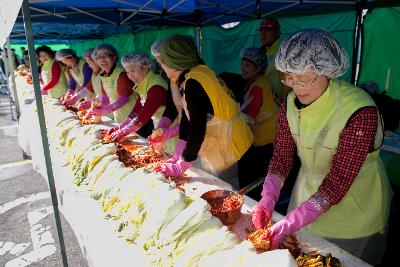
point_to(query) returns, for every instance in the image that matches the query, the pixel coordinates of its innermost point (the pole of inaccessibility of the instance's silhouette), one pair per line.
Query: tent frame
(166, 12)
(43, 131)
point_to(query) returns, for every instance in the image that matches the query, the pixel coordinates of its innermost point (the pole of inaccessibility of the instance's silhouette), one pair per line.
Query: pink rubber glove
(70, 101)
(82, 92)
(164, 123)
(120, 126)
(174, 169)
(133, 126)
(308, 212)
(180, 146)
(261, 213)
(100, 111)
(70, 91)
(103, 100)
(165, 135)
(85, 104)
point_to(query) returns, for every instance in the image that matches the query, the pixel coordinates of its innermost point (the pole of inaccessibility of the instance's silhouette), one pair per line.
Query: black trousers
(253, 165)
(146, 129)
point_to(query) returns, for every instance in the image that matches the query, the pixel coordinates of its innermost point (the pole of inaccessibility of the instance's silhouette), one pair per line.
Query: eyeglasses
(103, 56)
(302, 84)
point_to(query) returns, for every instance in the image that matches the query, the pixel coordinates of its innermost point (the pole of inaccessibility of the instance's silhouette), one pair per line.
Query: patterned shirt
(356, 141)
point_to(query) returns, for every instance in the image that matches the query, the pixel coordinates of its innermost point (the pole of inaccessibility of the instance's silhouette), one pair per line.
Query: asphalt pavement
(28, 234)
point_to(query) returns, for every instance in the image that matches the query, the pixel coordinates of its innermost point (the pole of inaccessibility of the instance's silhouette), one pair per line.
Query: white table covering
(97, 237)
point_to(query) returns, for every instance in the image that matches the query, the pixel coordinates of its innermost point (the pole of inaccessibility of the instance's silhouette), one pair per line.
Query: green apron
(77, 74)
(264, 127)
(61, 87)
(110, 86)
(316, 130)
(151, 79)
(96, 84)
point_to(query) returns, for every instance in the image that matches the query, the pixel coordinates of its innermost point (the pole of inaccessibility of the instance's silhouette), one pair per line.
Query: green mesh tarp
(221, 47)
(381, 50)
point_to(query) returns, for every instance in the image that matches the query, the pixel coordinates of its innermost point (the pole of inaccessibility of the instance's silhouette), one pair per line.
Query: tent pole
(12, 74)
(198, 39)
(357, 43)
(42, 124)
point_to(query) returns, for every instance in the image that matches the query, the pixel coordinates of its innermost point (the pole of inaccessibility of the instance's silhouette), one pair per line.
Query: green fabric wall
(221, 47)
(55, 47)
(144, 40)
(81, 46)
(125, 43)
(381, 50)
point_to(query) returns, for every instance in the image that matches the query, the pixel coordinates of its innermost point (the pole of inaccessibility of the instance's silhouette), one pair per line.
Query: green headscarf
(179, 52)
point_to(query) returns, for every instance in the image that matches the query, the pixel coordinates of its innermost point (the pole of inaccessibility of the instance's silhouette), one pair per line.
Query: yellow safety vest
(151, 79)
(316, 130)
(77, 73)
(227, 135)
(110, 85)
(271, 72)
(169, 145)
(96, 84)
(61, 87)
(264, 127)
(95, 79)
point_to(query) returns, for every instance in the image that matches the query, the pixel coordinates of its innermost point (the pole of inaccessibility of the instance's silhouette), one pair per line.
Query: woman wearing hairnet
(52, 78)
(211, 124)
(261, 112)
(94, 86)
(78, 73)
(152, 91)
(342, 192)
(116, 84)
(165, 134)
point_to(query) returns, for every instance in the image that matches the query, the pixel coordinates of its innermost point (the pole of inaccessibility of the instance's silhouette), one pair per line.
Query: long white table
(97, 237)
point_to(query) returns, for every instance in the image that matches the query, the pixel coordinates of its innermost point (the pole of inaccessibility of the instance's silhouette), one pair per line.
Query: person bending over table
(342, 192)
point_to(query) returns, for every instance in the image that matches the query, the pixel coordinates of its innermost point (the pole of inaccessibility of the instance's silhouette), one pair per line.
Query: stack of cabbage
(172, 228)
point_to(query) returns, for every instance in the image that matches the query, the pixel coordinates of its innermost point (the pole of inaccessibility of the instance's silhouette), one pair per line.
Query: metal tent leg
(43, 131)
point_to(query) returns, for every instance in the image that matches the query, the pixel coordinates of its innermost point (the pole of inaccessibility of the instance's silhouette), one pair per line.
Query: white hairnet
(65, 53)
(156, 47)
(255, 55)
(105, 49)
(313, 49)
(137, 58)
(88, 53)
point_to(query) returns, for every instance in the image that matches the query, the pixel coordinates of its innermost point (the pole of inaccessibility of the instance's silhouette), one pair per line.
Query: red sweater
(55, 77)
(156, 97)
